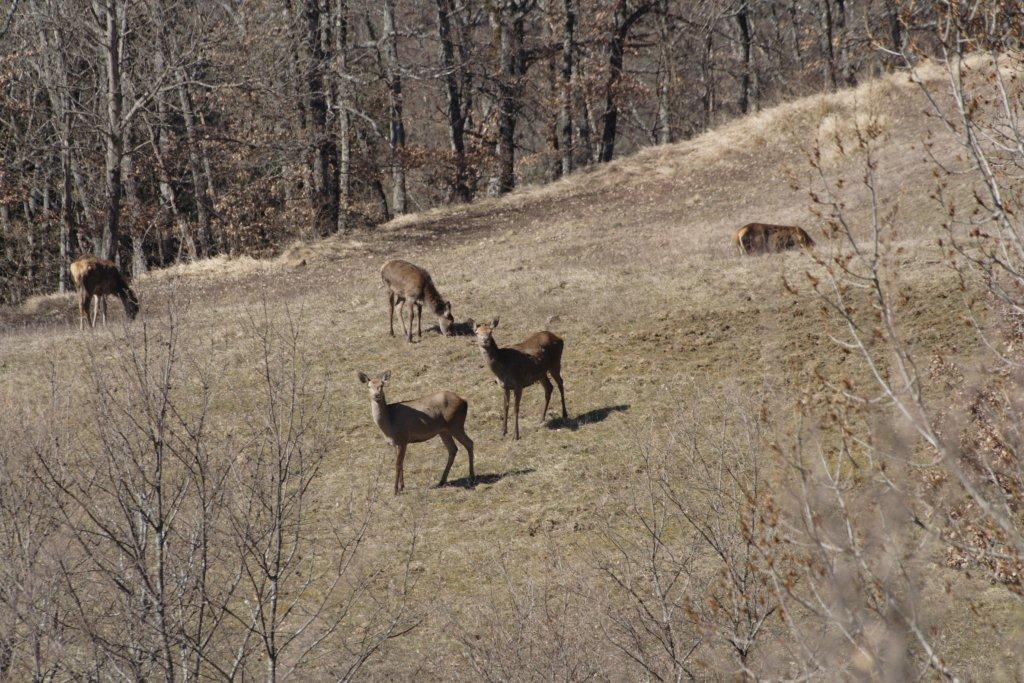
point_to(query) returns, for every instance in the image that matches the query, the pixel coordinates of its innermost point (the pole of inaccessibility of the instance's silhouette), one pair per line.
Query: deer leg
(83, 309)
(467, 443)
(95, 302)
(561, 391)
(449, 443)
(504, 421)
(412, 314)
(401, 309)
(546, 383)
(400, 470)
(519, 395)
(391, 312)
(419, 323)
(103, 299)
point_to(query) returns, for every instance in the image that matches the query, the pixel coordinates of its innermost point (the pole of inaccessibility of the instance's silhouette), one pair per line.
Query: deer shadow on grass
(589, 417)
(470, 483)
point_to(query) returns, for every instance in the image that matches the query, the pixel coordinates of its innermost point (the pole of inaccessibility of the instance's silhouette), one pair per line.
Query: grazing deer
(523, 364)
(765, 238)
(465, 328)
(94, 279)
(408, 283)
(442, 414)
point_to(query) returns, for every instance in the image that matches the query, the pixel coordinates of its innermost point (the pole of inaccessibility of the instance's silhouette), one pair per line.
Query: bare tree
(396, 121)
(451, 71)
(625, 16)
(298, 594)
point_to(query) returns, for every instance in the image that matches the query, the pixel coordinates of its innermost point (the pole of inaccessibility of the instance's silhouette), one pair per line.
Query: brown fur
(523, 364)
(440, 414)
(765, 238)
(407, 282)
(95, 279)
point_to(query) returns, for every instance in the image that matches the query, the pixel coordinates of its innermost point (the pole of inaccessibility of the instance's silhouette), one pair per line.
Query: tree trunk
(708, 78)
(459, 188)
(110, 11)
(343, 193)
(895, 31)
(829, 38)
(554, 164)
(510, 29)
(586, 131)
(202, 200)
(565, 113)
(67, 211)
(160, 140)
(85, 243)
(397, 126)
(136, 221)
(321, 186)
(665, 73)
(845, 65)
(794, 21)
(624, 21)
(54, 73)
(743, 23)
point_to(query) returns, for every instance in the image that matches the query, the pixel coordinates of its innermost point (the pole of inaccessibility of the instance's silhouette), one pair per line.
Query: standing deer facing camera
(523, 364)
(408, 283)
(94, 279)
(442, 414)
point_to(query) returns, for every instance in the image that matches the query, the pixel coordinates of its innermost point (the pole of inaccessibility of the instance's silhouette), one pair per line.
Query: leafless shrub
(144, 542)
(33, 623)
(847, 553)
(297, 591)
(690, 587)
(533, 630)
(927, 464)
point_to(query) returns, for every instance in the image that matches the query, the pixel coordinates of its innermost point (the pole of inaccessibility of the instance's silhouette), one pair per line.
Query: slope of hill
(631, 263)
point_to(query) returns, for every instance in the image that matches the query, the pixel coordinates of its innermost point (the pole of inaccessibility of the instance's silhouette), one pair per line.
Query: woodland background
(153, 132)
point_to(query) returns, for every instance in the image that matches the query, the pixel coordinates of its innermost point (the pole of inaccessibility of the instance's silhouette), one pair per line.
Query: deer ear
(361, 376)
(448, 307)
(385, 376)
(494, 323)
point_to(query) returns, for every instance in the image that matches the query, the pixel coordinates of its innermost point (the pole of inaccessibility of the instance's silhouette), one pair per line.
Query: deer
(763, 237)
(94, 279)
(408, 283)
(441, 414)
(524, 364)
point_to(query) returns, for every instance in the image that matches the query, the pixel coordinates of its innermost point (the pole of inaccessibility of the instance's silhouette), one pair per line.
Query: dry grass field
(631, 264)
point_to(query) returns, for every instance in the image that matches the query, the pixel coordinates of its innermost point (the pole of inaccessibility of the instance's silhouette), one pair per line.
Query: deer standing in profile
(442, 414)
(408, 283)
(94, 279)
(524, 364)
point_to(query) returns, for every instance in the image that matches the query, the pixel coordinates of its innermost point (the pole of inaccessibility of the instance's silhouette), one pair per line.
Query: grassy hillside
(631, 264)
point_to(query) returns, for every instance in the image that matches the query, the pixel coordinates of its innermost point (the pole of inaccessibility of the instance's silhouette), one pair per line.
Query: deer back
(528, 361)
(405, 279)
(98, 276)
(424, 418)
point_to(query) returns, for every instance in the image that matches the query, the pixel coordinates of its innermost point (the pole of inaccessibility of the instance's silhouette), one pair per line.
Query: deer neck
(381, 415)
(433, 299)
(490, 353)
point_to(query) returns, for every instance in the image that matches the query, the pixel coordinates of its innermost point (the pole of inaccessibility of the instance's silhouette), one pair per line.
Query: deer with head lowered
(94, 279)
(442, 414)
(408, 283)
(765, 238)
(521, 365)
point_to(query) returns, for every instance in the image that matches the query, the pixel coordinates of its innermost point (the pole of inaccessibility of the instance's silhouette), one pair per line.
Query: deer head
(375, 384)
